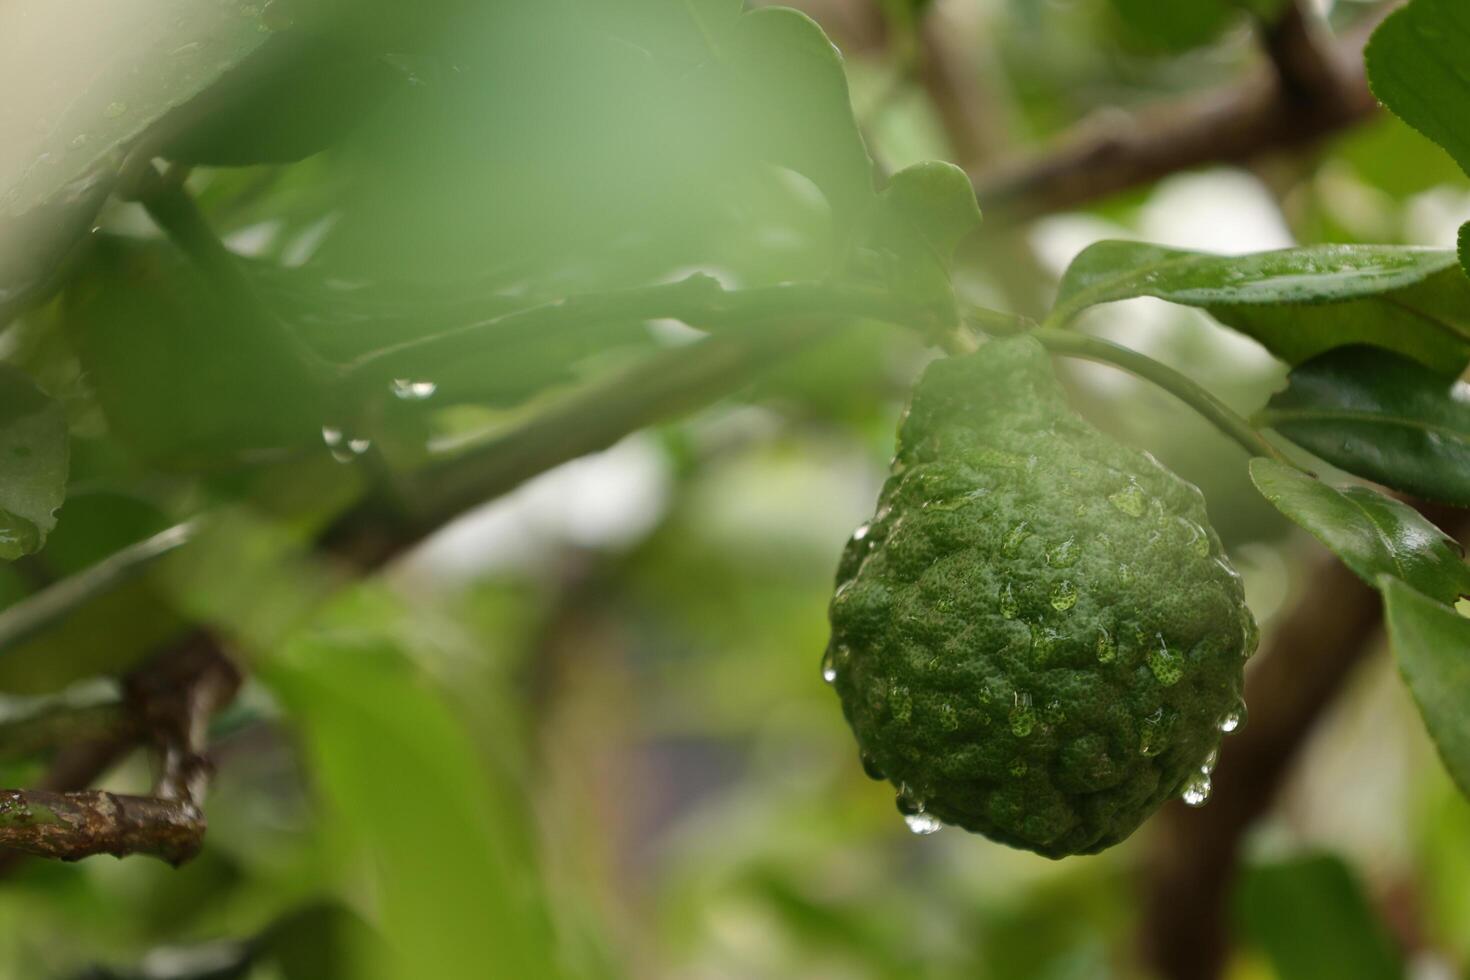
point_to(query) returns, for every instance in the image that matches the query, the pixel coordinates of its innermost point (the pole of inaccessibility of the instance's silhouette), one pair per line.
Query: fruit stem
(1222, 416)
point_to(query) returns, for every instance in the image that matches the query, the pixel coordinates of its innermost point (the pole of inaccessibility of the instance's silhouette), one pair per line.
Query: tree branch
(169, 702)
(1307, 92)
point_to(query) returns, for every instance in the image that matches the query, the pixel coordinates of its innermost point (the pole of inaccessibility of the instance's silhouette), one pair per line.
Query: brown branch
(168, 703)
(1307, 92)
(1293, 680)
(79, 824)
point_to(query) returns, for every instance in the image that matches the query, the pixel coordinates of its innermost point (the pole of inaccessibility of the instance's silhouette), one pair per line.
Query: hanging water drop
(1197, 790)
(408, 390)
(829, 667)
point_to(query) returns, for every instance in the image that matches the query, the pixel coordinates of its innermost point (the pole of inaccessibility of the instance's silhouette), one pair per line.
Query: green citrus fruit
(1037, 637)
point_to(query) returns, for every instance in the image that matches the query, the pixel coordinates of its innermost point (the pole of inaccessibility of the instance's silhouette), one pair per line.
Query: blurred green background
(581, 731)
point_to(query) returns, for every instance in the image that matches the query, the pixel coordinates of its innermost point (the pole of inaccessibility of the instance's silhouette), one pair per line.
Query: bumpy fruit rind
(1037, 637)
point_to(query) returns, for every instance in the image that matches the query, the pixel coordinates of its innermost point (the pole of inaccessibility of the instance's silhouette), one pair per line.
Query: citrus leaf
(1374, 535)
(1419, 67)
(1380, 416)
(34, 453)
(407, 790)
(1297, 302)
(1432, 645)
(1310, 917)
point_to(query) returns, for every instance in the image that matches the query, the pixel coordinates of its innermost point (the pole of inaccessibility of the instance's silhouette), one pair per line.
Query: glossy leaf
(1297, 302)
(1431, 642)
(1374, 535)
(34, 452)
(1419, 66)
(1380, 416)
(1310, 917)
(406, 788)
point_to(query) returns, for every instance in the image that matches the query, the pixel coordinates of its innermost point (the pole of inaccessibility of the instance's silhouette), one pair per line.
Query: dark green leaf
(1297, 302)
(1374, 535)
(33, 463)
(1419, 66)
(1380, 416)
(1432, 644)
(1310, 917)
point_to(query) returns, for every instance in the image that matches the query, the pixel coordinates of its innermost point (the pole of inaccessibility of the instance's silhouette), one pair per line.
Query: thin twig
(37, 612)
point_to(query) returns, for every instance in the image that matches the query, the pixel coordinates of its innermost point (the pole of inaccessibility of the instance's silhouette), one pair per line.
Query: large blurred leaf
(1374, 535)
(1419, 66)
(1298, 302)
(446, 849)
(185, 376)
(1383, 417)
(1310, 917)
(33, 463)
(1432, 644)
(84, 80)
(589, 144)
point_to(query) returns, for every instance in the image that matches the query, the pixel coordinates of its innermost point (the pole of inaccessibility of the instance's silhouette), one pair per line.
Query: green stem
(1222, 416)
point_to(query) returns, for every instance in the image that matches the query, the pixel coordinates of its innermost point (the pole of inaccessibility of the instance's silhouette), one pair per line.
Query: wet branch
(167, 705)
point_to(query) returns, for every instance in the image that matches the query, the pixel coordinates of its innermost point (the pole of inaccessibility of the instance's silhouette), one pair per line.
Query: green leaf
(1419, 66)
(154, 337)
(34, 452)
(1432, 644)
(1380, 416)
(1298, 302)
(1374, 535)
(923, 215)
(444, 845)
(1174, 26)
(1310, 917)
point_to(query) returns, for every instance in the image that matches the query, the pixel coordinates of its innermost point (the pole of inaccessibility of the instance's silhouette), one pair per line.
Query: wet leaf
(1381, 416)
(34, 453)
(1297, 302)
(1374, 535)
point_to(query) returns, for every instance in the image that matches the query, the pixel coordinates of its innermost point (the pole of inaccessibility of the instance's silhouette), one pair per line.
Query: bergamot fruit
(1037, 637)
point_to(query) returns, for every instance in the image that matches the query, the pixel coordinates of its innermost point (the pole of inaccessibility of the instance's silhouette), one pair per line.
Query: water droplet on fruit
(1023, 716)
(1009, 607)
(1208, 766)
(1015, 538)
(1197, 790)
(1064, 555)
(829, 667)
(862, 532)
(923, 824)
(408, 390)
(1234, 719)
(870, 768)
(1130, 500)
(1064, 596)
(1107, 650)
(1167, 665)
(1018, 767)
(949, 719)
(1151, 736)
